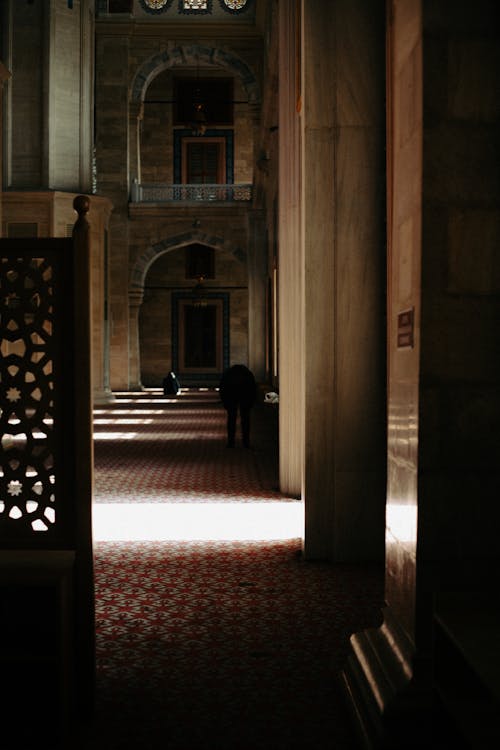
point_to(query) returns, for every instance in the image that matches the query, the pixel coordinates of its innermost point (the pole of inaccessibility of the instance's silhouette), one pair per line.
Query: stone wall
(136, 62)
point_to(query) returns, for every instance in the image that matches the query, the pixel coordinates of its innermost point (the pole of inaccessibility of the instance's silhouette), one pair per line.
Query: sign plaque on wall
(405, 328)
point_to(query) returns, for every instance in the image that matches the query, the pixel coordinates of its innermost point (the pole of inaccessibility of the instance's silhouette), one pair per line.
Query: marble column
(319, 277)
(342, 235)
(290, 266)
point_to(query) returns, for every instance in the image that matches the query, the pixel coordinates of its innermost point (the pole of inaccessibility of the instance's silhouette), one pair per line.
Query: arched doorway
(193, 316)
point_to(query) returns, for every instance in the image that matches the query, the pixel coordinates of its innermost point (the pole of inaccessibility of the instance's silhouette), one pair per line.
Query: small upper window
(155, 4)
(199, 6)
(234, 5)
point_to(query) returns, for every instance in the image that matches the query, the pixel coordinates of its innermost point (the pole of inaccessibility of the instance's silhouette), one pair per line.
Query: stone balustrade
(160, 193)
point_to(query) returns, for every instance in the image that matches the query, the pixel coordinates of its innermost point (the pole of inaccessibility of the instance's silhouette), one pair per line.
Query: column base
(103, 397)
(388, 709)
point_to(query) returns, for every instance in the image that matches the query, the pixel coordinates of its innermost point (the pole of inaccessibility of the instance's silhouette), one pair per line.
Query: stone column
(257, 280)
(290, 266)
(112, 154)
(319, 274)
(342, 233)
(136, 297)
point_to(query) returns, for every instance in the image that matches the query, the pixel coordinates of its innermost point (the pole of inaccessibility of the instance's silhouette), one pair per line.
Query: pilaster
(136, 297)
(290, 265)
(257, 281)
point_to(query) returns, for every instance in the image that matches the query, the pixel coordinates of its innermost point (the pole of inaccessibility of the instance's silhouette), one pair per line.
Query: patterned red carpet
(214, 645)
(150, 448)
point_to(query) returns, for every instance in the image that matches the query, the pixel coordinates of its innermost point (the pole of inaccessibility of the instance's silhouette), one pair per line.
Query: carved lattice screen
(36, 384)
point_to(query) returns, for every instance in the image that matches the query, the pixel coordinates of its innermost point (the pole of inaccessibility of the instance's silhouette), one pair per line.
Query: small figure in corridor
(171, 385)
(238, 391)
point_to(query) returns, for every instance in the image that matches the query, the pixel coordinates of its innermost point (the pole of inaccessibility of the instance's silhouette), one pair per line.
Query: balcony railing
(157, 193)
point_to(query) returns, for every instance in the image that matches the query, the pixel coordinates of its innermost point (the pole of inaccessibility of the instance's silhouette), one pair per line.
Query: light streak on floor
(197, 521)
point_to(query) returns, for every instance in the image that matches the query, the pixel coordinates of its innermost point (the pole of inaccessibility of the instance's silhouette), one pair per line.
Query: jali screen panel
(36, 381)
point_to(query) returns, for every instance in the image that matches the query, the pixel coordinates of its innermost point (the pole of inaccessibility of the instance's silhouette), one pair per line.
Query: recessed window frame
(221, 157)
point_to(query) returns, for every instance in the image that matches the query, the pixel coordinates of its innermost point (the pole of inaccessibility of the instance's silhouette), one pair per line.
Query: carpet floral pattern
(207, 645)
(178, 449)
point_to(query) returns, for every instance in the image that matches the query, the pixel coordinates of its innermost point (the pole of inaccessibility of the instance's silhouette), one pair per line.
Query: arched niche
(187, 56)
(157, 305)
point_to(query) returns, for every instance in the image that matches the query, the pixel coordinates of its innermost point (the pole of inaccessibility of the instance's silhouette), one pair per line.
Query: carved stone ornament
(235, 6)
(155, 6)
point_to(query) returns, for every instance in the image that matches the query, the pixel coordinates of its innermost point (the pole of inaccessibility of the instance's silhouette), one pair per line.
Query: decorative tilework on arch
(235, 6)
(155, 6)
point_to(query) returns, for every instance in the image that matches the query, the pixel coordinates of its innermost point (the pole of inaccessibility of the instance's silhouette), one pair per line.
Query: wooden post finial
(81, 204)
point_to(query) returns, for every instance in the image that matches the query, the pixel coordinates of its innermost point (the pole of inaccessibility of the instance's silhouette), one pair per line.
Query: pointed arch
(148, 257)
(193, 54)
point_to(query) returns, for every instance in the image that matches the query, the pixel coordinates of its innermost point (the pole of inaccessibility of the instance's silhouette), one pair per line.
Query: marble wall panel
(405, 125)
(456, 154)
(359, 51)
(471, 60)
(290, 260)
(473, 257)
(401, 578)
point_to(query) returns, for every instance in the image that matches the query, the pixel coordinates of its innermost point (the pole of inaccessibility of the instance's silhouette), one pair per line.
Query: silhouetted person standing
(238, 391)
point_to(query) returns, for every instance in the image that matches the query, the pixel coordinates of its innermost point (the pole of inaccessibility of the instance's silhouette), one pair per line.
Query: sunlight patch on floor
(197, 521)
(115, 436)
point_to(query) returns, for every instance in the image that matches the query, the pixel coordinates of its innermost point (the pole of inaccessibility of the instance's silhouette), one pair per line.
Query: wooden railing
(159, 193)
